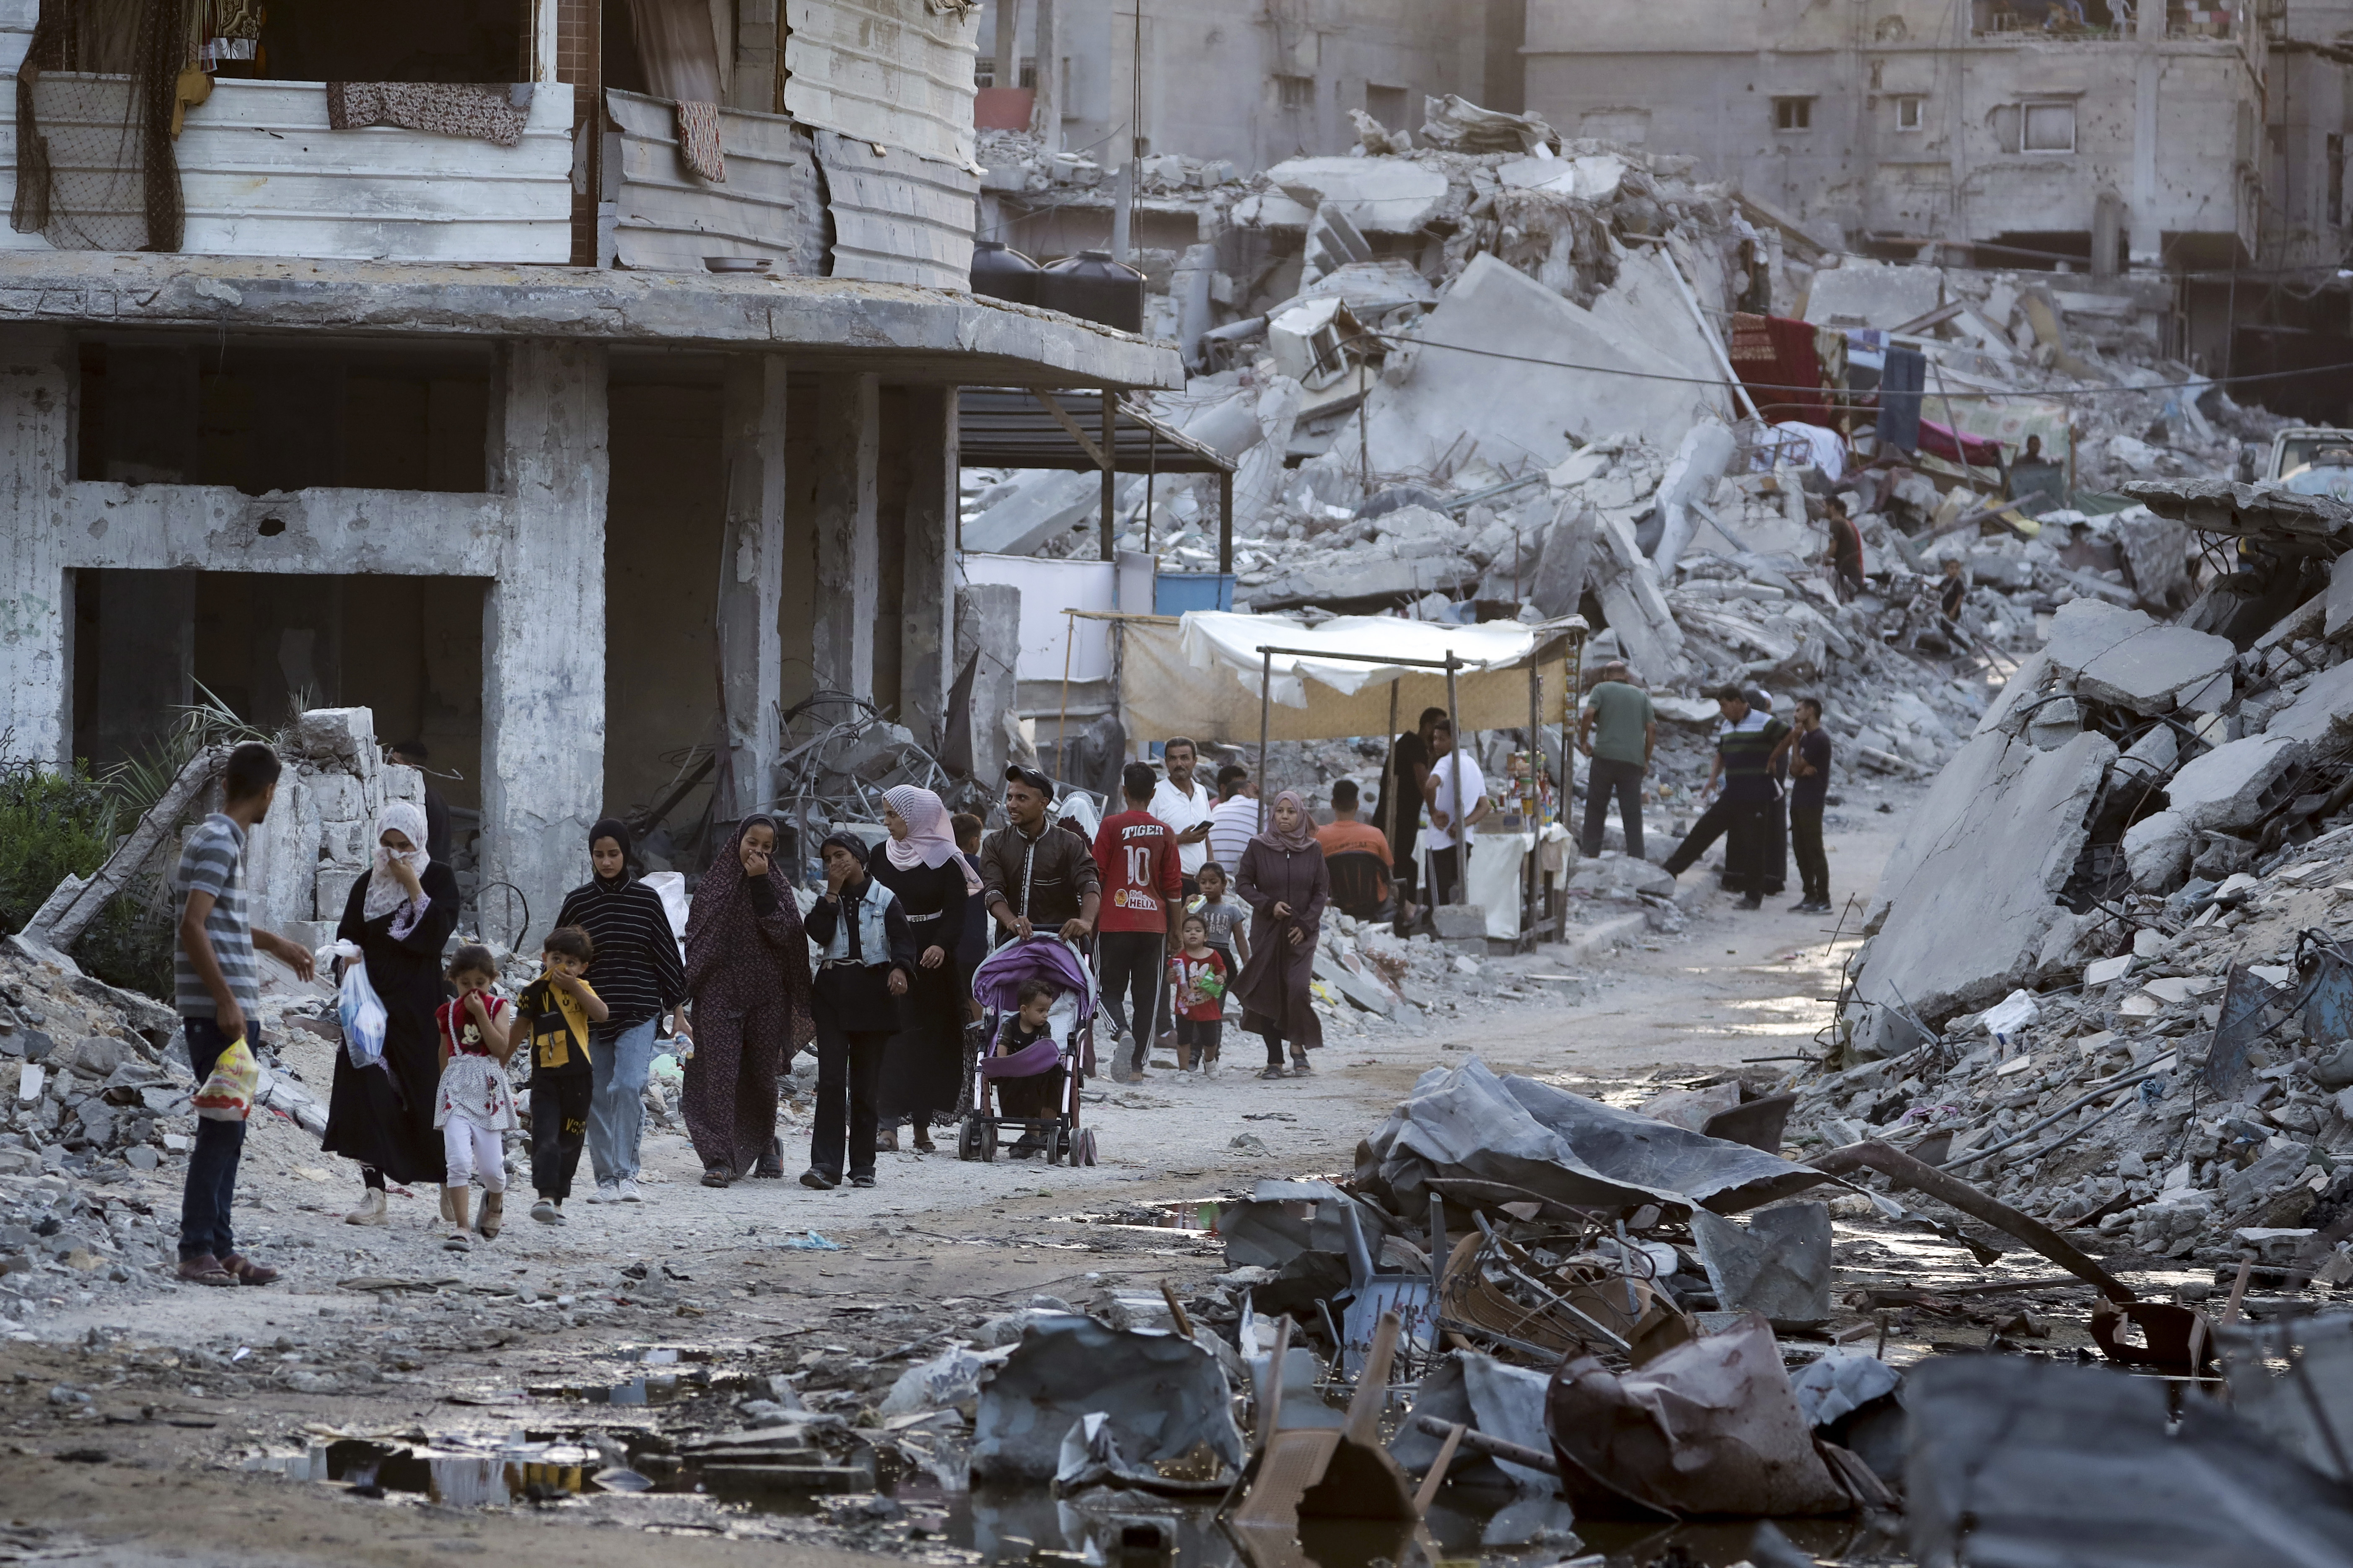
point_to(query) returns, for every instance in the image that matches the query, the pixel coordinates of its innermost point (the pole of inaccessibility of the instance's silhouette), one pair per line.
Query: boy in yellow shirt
(557, 1009)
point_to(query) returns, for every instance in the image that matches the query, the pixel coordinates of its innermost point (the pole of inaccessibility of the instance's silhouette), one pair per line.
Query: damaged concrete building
(2092, 137)
(425, 398)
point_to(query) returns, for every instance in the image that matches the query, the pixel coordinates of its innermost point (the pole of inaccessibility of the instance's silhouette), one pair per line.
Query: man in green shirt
(1618, 731)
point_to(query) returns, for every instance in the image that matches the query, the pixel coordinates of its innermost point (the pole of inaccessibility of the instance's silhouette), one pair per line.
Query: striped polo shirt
(1746, 749)
(213, 861)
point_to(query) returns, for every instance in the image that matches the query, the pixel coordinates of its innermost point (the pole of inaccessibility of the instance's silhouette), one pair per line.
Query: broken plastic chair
(1322, 1472)
(1373, 1294)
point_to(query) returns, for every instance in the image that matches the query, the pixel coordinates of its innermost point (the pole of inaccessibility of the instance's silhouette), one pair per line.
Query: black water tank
(1002, 272)
(1094, 288)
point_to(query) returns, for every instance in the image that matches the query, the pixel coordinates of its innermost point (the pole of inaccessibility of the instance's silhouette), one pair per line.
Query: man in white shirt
(1183, 806)
(1234, 822)
(1446, 862)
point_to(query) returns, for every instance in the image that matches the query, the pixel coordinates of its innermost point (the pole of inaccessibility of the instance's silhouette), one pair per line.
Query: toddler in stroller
(1038, 998)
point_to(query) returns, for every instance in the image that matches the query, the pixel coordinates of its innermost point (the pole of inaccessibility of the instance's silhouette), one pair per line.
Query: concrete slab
(1866, 294)
(2147, 670)
(1595, 177)
(1377, 195)
(896, 330)
(2084, 630)
(1363, 580)
(2157, 849)
(1043, 505)
(1972, 886)
(2235, 785)
(2321, 711)
(1457, 386)
(2340, 599)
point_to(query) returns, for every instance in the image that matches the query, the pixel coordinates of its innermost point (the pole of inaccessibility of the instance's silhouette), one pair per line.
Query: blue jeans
(618, 1063)
(212, 1163)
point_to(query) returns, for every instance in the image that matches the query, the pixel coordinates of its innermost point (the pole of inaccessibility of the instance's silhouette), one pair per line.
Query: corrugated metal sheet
(669, 219)
(883, 70)
(898, 218)
(261, 174)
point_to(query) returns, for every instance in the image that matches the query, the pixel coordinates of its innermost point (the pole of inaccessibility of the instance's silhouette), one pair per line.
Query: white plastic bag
(360, 1009)
(2008, 1020)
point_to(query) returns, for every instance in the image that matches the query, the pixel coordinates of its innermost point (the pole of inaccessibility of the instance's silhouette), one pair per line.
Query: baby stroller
(1037, 1087)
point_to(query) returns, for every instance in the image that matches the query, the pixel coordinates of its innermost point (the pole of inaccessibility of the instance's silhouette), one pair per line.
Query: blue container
(1174, 593)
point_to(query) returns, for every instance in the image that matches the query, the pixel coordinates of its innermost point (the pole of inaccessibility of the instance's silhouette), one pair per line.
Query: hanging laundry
(1900, 384)
(490, 114)
(698, 141)
(1778, 360)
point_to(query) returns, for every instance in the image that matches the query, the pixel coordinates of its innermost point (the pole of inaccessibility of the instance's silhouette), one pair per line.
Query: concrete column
(36, 593)
(752, 578)
(1007, 22)
(2143, 240)
(849, 565)
(988, 637)
(543, 622)
(1046, 113)
(927, 642)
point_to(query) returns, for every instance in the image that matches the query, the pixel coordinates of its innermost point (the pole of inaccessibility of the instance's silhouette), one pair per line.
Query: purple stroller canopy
(997, 981)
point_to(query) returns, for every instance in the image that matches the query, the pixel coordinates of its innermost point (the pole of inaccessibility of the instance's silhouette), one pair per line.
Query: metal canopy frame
(1029, 428)
(1450, 663)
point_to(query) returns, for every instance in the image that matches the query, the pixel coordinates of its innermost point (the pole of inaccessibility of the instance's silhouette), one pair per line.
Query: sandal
(718, 1176)
(204, 1270)
(245, 1272)
(1271, 1072)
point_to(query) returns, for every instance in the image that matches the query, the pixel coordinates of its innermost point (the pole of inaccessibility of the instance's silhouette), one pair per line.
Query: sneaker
(1029, 1144)
(606, 1193)
(818, 1181)
(861, 1181)
(546, 1213)
(1753, 901)
(1802, 906)
(627, 1191)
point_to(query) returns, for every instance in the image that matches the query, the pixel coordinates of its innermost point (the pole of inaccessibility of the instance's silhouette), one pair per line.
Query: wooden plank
(883, 70)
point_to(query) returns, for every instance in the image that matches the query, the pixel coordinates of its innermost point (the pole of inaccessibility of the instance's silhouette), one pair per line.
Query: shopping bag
(360, 1010)
(228, 1093)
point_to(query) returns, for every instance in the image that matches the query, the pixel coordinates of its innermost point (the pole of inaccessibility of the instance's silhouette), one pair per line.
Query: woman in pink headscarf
(920, 864)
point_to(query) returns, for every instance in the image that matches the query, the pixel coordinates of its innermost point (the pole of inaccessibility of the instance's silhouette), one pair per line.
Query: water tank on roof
(1094, 288)
(1002, 272)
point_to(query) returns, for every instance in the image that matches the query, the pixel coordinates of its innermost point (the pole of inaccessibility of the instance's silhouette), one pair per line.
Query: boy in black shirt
(559, 1008)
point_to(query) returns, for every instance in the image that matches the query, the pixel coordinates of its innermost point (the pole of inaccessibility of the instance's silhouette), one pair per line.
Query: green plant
(53, 824)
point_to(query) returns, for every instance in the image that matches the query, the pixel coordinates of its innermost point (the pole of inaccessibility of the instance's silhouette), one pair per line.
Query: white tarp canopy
(1199, 676)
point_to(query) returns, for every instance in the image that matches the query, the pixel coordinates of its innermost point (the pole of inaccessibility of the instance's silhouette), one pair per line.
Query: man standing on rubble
(1448, 850)
(1618, 731)
(1846, 550)
(1810, 782)
(1743, 766)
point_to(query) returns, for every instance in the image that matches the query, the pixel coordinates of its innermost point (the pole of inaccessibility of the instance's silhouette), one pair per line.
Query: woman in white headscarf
(920, 864)
(401, 915)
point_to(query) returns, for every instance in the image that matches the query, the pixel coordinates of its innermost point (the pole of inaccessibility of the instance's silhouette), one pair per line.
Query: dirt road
(132, 1412)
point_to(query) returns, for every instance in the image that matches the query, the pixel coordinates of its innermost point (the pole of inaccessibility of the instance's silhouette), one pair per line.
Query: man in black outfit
(1743, 765)
(1810, 782)
(1399, 812)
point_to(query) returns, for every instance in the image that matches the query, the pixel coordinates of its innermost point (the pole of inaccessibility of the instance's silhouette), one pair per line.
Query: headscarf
(385, 893)
(1299, 838)
(726, 951)
(850, 842)
(929, 841)
(614, 828)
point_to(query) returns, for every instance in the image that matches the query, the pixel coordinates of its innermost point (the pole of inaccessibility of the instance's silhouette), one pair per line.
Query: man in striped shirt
(1743, 767)
(216, 983)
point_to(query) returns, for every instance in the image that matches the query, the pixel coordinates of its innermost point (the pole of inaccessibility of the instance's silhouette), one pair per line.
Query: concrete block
(2238, 784)
(1972, 884)
(282, 853)
(346, 735)
(1375, 195)
(2153, 755)
(1365, 581)
(2145, 671)
(1564, 560)
(2157, 851)
(1459, 923)
(333, 887)
(1868, 294)
(1619, 876)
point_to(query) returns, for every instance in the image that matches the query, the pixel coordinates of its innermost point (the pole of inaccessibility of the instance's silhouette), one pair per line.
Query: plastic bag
(228, 1093)
(360, 1009)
